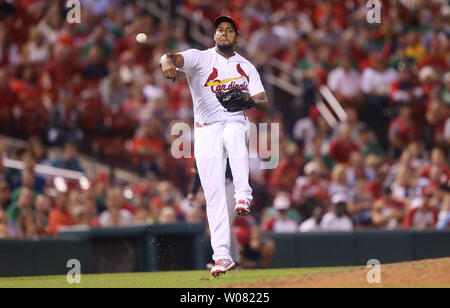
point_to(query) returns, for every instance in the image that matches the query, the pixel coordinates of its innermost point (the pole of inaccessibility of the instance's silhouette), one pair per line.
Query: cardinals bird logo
(211, 77)
(241, 71)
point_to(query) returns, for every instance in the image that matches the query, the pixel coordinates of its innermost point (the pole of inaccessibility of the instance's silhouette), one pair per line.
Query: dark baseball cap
(229, 19)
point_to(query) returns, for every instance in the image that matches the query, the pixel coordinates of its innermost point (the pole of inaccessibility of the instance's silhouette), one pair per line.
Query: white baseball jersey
(209, 73)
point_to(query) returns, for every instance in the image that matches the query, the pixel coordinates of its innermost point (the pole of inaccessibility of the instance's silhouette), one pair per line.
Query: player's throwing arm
(169, 64)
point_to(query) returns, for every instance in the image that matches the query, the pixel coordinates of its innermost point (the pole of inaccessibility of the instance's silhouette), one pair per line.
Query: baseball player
(223, 86)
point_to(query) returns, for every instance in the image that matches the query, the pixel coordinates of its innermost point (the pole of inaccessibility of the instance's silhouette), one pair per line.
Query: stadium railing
(91, 166)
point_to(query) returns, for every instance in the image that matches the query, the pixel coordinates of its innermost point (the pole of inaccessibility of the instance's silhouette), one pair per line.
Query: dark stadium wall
(186, 247)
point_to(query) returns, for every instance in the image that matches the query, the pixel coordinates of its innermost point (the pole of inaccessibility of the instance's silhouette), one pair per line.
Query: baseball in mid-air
(141, 38)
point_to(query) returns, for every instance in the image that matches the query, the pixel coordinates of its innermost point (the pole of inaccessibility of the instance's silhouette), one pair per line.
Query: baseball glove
(235, 100)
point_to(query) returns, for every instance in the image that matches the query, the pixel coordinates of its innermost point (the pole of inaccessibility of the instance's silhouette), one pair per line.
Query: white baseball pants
(212, 144)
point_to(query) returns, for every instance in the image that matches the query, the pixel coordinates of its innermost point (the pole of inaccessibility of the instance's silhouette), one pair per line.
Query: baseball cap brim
(229, 19)
(281, 203)
(339, 197)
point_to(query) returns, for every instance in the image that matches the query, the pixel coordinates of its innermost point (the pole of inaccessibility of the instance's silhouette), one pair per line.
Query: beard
(225, 48)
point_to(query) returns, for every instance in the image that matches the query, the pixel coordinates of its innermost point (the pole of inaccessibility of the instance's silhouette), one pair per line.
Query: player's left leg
(234, 249)
(211, 165)
(235, 136)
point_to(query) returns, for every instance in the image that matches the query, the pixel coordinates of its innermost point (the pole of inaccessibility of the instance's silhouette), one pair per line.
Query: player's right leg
(211, 164)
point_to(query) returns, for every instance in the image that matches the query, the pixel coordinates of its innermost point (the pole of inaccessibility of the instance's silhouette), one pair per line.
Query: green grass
(185, 279)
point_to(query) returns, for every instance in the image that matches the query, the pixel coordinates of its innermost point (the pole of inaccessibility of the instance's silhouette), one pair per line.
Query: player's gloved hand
(235, 100)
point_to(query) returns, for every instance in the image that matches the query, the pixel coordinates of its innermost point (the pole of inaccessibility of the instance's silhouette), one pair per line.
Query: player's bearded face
(225, 37)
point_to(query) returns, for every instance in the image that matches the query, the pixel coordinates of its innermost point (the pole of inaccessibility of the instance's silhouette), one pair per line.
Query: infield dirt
(424, 273)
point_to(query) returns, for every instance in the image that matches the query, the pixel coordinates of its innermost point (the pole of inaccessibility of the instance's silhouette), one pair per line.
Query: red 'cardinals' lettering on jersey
(223, 88)
(218, 86)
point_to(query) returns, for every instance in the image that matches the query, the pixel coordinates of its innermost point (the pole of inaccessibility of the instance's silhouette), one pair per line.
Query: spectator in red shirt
(438, 160)
(254, 251)
(148, 147)
(311, 185)
(284, 176)
(403, 130)
(343, 145)
(60, 216)
(436, 115)
(421, 215)
(434, 58)
(310, 188)
(63, 66)
(437, 178)
(388, 212)
(385, 213)
(7, 102)
(376, 185)
(25, 86)
(390, 201)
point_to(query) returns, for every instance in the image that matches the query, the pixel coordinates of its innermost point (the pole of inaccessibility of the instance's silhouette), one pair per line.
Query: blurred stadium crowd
(90, 87)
